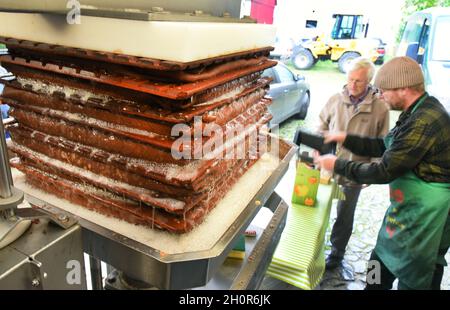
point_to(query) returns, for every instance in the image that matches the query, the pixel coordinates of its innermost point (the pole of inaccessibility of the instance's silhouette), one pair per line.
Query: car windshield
(284, 74)
(441, 46)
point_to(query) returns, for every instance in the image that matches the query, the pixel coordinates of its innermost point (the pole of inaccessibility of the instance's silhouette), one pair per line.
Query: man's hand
(326, 161)
(338, 136)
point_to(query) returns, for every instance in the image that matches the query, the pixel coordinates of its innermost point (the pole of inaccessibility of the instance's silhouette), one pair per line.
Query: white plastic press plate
(174, 41)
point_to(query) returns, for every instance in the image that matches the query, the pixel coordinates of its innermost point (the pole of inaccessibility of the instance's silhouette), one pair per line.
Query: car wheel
(345, 60)
(303, 107)
(303, 60)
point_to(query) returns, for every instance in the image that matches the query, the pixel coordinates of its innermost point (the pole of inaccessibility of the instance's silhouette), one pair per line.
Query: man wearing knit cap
(415, 161)
(355, 109)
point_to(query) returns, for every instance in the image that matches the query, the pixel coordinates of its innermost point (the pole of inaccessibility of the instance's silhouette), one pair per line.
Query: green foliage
(411, 6)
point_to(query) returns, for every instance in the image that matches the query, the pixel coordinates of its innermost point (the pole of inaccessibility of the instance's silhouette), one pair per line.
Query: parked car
(282, 49)
(4, 108)
(290, 94)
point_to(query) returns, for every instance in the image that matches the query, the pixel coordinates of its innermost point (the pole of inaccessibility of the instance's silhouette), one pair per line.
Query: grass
(288, 128)
(319, 69)
(324, 79)
(325, 70)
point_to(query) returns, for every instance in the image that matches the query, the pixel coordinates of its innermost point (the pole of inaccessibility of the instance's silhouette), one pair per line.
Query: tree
(411, 6)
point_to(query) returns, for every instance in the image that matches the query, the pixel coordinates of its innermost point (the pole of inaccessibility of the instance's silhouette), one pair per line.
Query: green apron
(415, 234)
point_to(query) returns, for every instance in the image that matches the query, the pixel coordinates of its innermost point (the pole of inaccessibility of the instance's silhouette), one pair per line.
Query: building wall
(262, 11)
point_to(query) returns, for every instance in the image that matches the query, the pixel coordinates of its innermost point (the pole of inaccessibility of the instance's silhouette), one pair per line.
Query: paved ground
(372, 204)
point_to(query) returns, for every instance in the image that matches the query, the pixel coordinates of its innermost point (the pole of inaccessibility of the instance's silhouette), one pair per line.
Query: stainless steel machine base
(45, 257)
(235, 274)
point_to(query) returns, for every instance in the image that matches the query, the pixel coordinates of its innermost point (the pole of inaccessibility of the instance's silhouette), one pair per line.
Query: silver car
(290, 94)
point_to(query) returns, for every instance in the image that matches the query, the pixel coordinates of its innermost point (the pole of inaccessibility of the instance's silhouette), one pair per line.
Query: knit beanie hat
(399, 72)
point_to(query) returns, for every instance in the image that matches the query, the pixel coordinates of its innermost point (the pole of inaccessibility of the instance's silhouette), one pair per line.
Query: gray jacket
(368, 118)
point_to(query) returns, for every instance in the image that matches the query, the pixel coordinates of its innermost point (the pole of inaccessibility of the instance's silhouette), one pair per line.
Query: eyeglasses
(358, 82)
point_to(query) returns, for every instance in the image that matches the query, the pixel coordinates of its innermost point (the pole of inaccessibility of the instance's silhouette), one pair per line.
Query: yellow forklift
(348, 41)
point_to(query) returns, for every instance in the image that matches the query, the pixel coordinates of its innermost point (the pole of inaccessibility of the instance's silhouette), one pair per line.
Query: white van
(426, 40)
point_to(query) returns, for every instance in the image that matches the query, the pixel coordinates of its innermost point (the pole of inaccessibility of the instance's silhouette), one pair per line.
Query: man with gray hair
(356, 109)
(415, 161)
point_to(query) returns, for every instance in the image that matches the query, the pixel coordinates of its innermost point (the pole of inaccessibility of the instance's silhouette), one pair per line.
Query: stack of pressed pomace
(118, 132)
